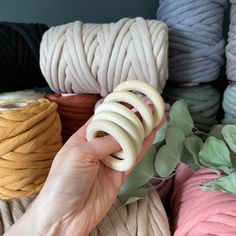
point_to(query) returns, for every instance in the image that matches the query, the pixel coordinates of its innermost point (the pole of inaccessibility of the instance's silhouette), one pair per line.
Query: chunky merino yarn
(95, 58)
(146, 217)
(231, 46)
(74, 111)
(229, 104)
(196, 43)
(27, 94)
(11, 211)
(203, 103)
(198, 212)
(30, 137)
(19, 56)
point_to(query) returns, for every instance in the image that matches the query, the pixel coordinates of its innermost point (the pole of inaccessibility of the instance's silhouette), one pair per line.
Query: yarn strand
(87, 58)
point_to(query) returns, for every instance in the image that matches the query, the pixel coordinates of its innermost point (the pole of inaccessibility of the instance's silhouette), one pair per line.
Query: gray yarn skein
(196, 43)
(231, 46)
(229, 104)
(203, 103)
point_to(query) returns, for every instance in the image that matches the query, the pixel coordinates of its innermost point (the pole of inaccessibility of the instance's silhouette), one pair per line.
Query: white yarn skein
(27, 94)
(94, 58)
(120, 122)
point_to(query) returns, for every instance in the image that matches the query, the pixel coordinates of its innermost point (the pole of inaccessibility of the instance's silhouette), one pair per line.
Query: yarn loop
(229, 104)
(203, 103)
(196, 51)
(231, 46)
(19, 56)
(145, 217)
(74, 111)
(198, 212)
(29, 140)
(95, 58)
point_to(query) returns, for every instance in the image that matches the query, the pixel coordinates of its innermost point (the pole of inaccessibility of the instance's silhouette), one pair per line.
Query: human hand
(79, 189)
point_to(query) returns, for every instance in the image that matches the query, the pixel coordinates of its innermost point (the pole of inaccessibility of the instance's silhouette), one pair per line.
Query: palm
(91, 187)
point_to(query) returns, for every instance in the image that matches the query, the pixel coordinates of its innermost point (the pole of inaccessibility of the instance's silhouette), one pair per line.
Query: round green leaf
(194, 145)
(216, 131)
(142, 173)
(229, 134)
(224, 184)
(161, 133)
(215, 155)
(168, 156)
(133, 196)
(180, 117)
(187, 159)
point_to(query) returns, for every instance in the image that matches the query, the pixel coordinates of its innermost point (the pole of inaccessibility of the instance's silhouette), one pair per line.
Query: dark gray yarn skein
(196, 43)
(203, 103)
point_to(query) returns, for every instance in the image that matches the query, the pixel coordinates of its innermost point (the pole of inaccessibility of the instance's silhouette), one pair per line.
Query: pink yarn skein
(201, 213)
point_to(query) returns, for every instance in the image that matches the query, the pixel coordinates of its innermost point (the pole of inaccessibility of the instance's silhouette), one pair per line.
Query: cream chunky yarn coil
(146, 217)
(95, 58)
(11, 211)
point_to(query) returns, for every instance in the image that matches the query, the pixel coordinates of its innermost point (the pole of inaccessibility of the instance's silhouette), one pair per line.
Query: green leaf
(161, 133)
(168, 156)
(142, 173)
(216, 131)
(194, 145)
(134, 195)
(180, 117)
(229, 134)
(187, 158)
(224, 184)
(158, 145)
(215, 155)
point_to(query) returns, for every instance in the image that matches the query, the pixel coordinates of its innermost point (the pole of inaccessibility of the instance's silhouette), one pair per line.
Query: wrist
(43, 219)
(34, 222)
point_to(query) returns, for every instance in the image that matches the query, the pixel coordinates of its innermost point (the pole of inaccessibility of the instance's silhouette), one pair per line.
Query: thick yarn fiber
(203, 103)
(231, 46)
(196, 43)
(229, 104)
(74, 111)
(95, 58)
(30, 137)
(146, 217)
(27, 94)
(198, 212)
(11, 211)
(19, 56)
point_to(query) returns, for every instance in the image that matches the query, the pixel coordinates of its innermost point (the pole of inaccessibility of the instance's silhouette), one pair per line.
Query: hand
(79, 189)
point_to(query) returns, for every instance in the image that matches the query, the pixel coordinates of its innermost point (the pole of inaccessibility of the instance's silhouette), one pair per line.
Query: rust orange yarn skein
(30, 137)
(74, 111)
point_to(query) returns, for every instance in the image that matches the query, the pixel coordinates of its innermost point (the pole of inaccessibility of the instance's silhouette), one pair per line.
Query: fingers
(101, 147)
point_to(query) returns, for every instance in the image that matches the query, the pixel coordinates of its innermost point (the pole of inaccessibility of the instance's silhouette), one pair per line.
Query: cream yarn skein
(144, 217)
(94, 58)
(117, 120)
(27, 94)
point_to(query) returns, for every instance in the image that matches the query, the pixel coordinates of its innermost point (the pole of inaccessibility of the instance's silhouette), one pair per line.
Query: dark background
(54, 12)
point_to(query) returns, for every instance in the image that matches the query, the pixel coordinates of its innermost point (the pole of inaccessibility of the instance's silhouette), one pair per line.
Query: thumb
(101, 147)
